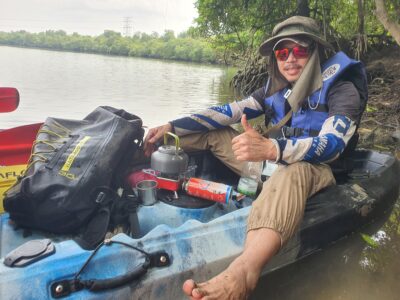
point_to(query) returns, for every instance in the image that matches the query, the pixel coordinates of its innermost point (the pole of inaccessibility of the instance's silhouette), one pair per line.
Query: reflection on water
(70, 85)
(350, 269)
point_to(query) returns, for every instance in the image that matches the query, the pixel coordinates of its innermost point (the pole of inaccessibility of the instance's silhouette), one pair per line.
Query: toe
(198, 293)
(188, 287)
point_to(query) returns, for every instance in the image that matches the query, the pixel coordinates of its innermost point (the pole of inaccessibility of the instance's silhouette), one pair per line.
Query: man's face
(292, 67)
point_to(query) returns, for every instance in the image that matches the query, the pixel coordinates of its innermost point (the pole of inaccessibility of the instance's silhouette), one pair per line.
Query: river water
(71, 85)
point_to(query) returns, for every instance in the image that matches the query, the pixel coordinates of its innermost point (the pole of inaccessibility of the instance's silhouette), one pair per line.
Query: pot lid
(169, 149)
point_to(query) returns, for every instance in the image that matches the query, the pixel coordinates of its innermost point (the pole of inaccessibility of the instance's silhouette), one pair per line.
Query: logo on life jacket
(330, 71)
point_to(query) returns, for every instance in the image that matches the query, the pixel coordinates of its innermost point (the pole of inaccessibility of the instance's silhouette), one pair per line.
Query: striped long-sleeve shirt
(338, 128)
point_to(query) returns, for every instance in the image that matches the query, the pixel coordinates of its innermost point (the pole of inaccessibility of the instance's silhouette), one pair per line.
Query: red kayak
(15, 143)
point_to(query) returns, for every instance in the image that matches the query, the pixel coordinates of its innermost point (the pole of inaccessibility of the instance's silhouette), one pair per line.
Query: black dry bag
(67, 187)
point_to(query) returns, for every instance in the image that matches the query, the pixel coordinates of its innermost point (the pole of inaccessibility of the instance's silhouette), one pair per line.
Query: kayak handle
(63, 288)
(110, 283)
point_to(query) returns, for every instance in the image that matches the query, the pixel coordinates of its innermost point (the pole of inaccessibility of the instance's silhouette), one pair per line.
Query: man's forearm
(217, 117)
(327, 146)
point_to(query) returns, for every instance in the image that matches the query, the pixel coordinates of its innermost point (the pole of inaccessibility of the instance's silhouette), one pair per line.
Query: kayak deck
(202, 242)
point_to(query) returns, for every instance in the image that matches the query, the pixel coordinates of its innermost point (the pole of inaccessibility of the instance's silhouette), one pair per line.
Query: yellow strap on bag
(8, 176)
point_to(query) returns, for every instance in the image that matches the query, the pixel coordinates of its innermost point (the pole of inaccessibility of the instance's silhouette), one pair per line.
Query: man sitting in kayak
(322, 100)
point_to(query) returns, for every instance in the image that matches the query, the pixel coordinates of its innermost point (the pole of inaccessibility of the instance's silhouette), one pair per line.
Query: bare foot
(240, 278)
(235, 283)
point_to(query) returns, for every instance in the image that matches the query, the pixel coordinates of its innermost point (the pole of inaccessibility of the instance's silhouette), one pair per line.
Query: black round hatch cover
(183, 200)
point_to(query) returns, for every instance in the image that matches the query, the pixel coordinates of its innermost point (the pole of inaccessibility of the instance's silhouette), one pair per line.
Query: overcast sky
(94, 16)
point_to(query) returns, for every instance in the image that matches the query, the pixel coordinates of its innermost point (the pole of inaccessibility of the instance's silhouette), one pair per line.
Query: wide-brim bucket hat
(298, 26)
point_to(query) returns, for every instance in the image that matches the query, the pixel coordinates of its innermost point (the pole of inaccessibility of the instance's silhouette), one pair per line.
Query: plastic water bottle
(250, 177)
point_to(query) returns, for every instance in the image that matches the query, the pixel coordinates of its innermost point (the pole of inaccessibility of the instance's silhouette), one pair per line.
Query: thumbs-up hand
(246, 126)
(252, 146)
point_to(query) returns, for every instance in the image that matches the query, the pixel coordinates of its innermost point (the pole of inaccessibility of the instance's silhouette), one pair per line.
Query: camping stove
(170, 164)
(170, 182)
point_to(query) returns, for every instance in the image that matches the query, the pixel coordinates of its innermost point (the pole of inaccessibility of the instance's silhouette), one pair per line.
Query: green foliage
(385, 247)
(239, 26)
(369, 240)
(226, 31)
(370, 108)
(186, 47)
(393, 7)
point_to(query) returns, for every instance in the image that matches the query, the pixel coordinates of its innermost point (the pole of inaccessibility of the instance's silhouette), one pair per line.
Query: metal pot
(169, 159)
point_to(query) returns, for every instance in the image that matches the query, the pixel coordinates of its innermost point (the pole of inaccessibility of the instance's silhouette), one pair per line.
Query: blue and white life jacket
(308, 120)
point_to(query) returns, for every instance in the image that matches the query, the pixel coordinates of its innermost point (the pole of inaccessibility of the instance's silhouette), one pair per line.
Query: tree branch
(383, 17)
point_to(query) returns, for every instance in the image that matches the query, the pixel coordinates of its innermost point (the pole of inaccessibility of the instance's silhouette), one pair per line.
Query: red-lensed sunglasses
(298, 52)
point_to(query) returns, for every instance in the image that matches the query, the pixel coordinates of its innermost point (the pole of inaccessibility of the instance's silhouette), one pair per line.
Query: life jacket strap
(272, 130)
(288, 132)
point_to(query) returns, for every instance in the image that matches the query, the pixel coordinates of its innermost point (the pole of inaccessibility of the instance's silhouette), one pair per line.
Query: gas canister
(209, 190)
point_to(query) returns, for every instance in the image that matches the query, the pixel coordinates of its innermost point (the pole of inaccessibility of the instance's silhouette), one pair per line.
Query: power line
(127, 27)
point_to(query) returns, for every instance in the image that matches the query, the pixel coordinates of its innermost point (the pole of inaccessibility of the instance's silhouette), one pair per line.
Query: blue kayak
(199, 241)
